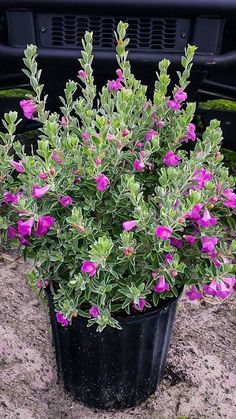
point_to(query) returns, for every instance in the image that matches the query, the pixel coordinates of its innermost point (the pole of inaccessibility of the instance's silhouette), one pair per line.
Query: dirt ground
(200, 376)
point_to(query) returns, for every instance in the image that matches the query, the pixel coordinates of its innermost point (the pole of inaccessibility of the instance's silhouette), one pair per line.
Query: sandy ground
(200, 376)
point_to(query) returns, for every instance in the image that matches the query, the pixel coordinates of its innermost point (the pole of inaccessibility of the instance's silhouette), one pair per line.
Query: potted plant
(225, 111)
(118, 217)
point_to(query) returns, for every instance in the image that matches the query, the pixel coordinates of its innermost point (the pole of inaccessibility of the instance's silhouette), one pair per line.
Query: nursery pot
(115, 368)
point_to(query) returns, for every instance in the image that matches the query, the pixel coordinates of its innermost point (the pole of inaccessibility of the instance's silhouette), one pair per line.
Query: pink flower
(98, 161)
(171, 159)
(43, 175)
(82, 74)
(180, 95)
(110, 137)
(191, 134)
(125, 132)
(150, 134)
(140, 144)
(194, 214)
(61, 318)
(25, 227)
(207, 220)
(129, 225)
(230, 198)
(85, 136)
(114, 85)
(161, 285)
(65, 200)
(11, 198)
(138, 165)
(29, 108)
(128, 251)
(45, 222)
(202, 176)
(163, 232)
(102, 182)
(64, 122)
(193, 293)
(18, 166)
(221, 289)
(119, 73)
(168, 258)
(177, 243)
(94, 311)
(56, 158)
(39, 191)
(141, 304)
(11, 232)
(89, 267)
(190, 239)
(160, 124)
(172, 104)
(208, 244)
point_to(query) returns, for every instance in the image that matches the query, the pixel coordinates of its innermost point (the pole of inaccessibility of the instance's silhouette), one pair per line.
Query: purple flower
(23, 241)
(193, 293)
(138, 165)
(230, 198)
(129, 225)
(202, 176)
(194, 214)
(25, 227)
(45, 222)
(161, 285)
(150, 134)
(18, 166)
(191, 133)
(163, 232)
(85, 136)
(11, 232)
(82, 74)
(29, 108)
(65, 200)
(94, 311)
(61, 318)
(168, 258)
(176, 204)
(180, 95)
(98, 161)
(114, 85)
(141, 304)
(110, 137)
(64, 122)
(160, 124)
(11, 198)
(125, 132)
(102, 182)
(56, 158)
(221, 289)
(208, 244)
(172, 104)
(190, 239)
(177, 243)
(39, 191)
(89, 267)
(207, 220)
(119, 73)
(171, 159)
(43, 175)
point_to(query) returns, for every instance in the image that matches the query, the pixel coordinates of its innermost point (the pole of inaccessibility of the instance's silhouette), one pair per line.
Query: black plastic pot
(228, 124)
(114, 368)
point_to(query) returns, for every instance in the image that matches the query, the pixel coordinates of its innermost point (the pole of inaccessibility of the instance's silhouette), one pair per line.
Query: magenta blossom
(161, 124)
(168, 258)
(129, 225)
(43, 175)
(230, 201)
(193, 293)
(82, 74)
(65, 200)
(119, 73)
(207, 220)
(138, 165)
(163, 232)
(64, 122)
(177, 243)
(102, 182)
(208, 244)
(61, 318)
(172, 104)
(45, 222)
(176, 204)
(194, 214)
(110, 137)
(25, 227)
(11, 232)
(114, 85)
(56, 158)
(11, 198)
(180, 95)
(39, 191)
(125, 132)
(29, 108)
(171, 159)
(190, 239)
(202, 176)
(89, 267)
(221, 289)
(161, 285)
(85, 136)
(150, 134)
(23, 241)
(98, 161)
(141, 304)
(94, 311)
(18, 166)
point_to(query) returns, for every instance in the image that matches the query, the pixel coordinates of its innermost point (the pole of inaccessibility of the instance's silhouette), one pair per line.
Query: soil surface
(200, 375)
